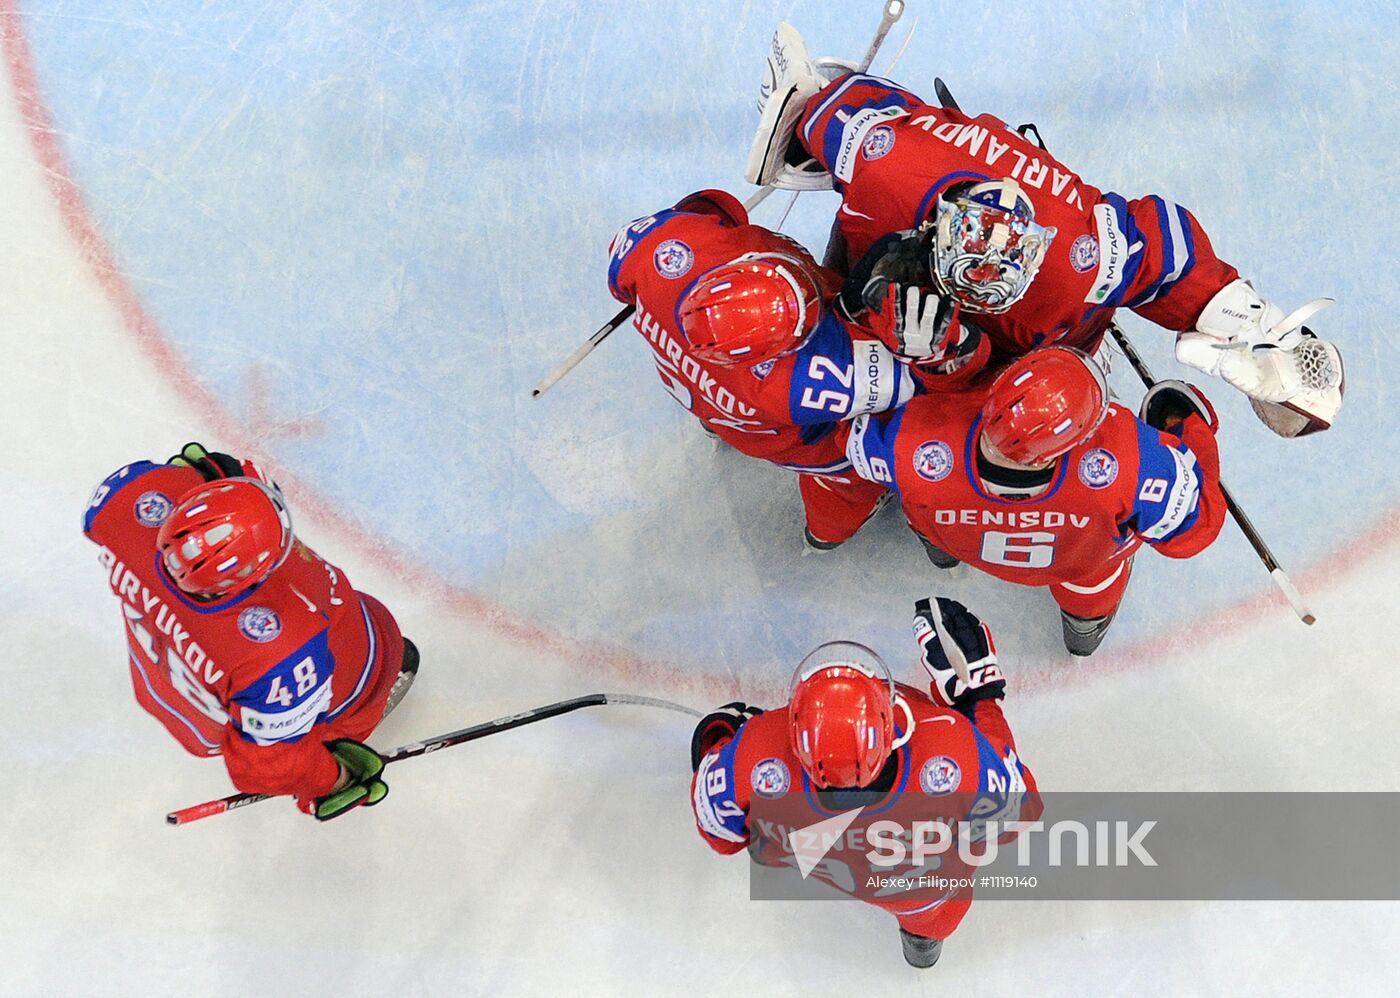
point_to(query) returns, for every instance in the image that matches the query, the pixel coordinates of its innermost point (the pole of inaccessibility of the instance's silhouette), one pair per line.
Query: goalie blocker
(792, 77)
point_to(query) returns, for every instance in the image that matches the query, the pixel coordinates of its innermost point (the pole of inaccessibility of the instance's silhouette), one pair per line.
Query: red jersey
(1128, 484)
(784, 410)
(890, 155)
(946, 754)
(263, 678)
(751, 791)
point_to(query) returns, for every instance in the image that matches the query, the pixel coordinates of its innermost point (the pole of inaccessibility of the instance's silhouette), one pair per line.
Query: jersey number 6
(1031, 549)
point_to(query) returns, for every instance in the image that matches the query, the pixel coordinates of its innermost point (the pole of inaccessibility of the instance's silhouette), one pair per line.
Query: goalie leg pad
(791, 78)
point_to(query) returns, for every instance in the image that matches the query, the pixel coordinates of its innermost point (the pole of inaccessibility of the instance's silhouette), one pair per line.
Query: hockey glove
(362, 767)
(1294, 379)
(1171, 403)
(916, 323)
(901, 257)
(210, 464)
(720, 204)
(949, 635)
(717, 725)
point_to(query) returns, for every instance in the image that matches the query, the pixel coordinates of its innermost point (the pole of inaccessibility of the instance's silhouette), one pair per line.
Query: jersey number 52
(828, 399)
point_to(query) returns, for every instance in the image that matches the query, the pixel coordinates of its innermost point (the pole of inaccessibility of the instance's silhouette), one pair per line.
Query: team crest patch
(933, 460)
(1084, 254)
(152, 508)
(878, 142)
(761, 371)
(771, 778)
(260, 624)
(673, 259)
(1098, 469)
(940, 776)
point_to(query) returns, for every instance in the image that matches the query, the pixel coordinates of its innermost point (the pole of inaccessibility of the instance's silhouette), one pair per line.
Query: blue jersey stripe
(1169, 249)
(1167, 503)
(108, 488)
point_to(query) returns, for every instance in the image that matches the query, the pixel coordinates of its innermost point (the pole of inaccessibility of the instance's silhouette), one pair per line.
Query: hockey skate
(811, 545)
(939, 557)
(920, 951)
(408, 672)
(1084, 634)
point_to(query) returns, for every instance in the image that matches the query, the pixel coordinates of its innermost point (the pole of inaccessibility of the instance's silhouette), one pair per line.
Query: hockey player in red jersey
(1025, 248)
(742, 326)
(241, 640)
(1042, 481)
(854, 738)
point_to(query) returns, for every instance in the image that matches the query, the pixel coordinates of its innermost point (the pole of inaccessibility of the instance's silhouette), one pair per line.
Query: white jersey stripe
(369, 661)
(1097, 587)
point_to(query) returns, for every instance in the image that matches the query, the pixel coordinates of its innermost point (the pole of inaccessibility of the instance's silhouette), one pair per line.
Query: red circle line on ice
(710, 681)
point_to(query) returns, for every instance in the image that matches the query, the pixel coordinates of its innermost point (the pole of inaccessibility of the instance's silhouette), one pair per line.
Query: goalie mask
(987, 246)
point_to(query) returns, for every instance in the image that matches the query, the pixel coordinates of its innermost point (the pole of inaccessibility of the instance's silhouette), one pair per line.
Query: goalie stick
(893, 11)
(210, 808)
(1280, 577)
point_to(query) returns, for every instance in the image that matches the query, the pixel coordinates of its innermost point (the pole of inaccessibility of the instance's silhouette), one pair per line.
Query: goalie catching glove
(1294, 380)
(954, 640)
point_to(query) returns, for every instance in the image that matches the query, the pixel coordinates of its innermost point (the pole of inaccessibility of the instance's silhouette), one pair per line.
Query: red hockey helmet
(842, 715)
(752, 309)
(225, 537)
(1046, 403)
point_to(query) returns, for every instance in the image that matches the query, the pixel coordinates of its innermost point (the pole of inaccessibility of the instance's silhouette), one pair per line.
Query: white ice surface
(562, 859)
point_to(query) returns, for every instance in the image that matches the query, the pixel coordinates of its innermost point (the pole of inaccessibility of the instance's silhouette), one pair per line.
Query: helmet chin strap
(903, 704)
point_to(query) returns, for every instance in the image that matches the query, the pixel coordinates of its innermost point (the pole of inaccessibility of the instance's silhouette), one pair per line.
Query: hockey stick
(210, 808)
(1280, 577)
(604, 331)
(894, 10)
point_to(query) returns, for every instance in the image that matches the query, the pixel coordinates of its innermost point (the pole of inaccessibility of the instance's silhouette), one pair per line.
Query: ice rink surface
(347, 238)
